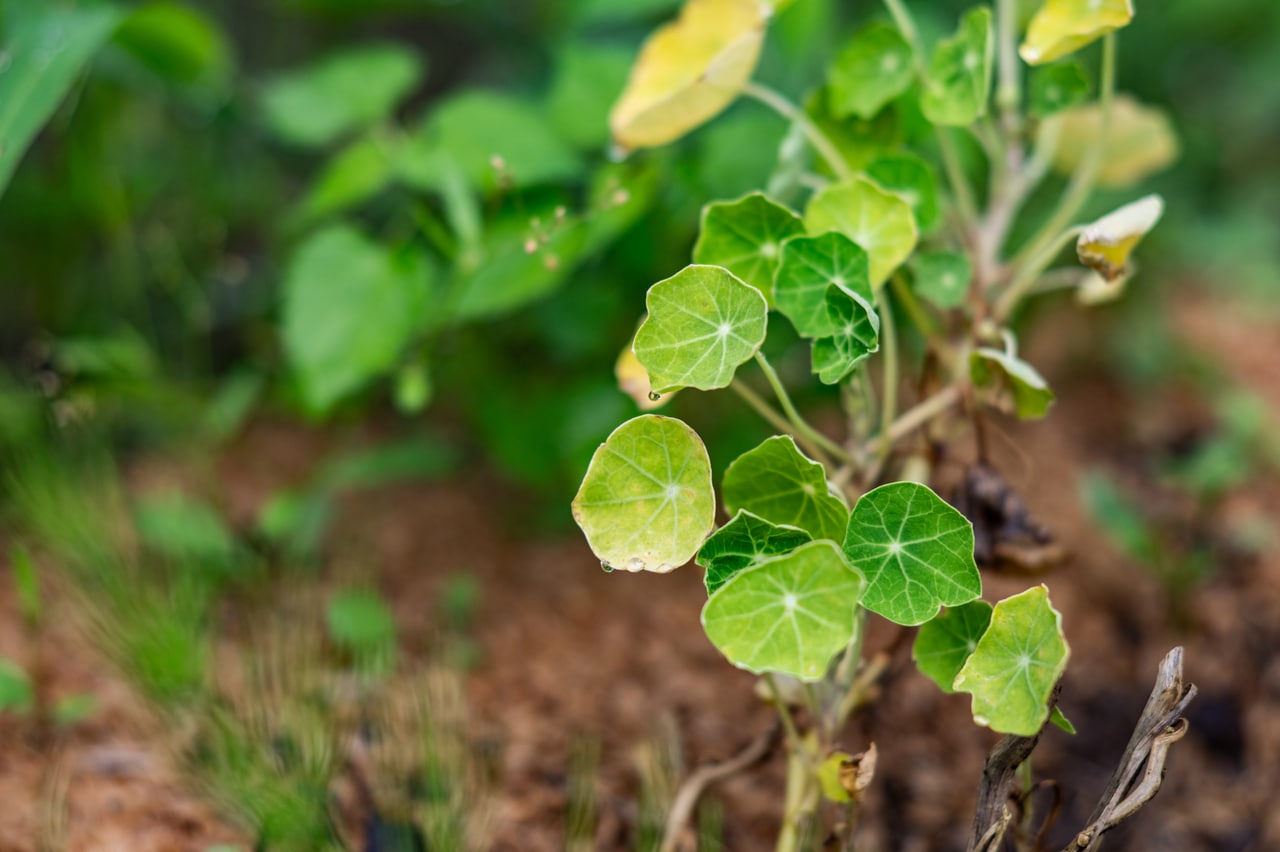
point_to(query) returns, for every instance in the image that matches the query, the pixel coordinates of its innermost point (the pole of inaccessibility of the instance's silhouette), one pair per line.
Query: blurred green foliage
(328, 207)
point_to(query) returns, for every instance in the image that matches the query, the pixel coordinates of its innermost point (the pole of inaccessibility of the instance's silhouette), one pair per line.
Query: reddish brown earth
(571, 656)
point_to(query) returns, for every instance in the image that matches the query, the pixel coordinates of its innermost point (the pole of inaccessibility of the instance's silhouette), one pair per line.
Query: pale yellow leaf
(1064, 26)
(1140, 140)
(1105, 245)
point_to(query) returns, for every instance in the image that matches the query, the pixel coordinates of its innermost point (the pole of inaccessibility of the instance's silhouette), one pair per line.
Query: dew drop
(617, 153)
(606, 567)
(654, 396)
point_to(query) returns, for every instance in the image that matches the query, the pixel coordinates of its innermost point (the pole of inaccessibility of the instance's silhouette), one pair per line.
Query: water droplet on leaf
(654, 396)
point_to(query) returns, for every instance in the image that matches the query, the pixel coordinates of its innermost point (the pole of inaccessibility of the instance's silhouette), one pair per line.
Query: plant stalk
(790, 111)
(798, 423)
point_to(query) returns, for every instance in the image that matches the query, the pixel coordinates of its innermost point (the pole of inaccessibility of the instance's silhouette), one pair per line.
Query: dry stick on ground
(1158, 728)
(704, 776)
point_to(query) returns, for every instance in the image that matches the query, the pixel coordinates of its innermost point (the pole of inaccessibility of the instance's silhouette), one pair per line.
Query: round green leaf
(780, 484)
(943, 644)
(913, 179)
(315, 105)
(790, 614)
(745, 541)
(1140, 140)
(703, 324)
(877, 220)
(1014, 384)
(872, 70)
(960, 72)
(855, 334)
(810, 265)
(942, 277)
(746, 237)
(1060, 27)
(1053, 88)
(646, 503)
(915, 550)
(1018, 660)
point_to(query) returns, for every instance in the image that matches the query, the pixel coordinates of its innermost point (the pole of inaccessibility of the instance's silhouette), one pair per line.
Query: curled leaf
(959, 78)
(1105, 245)
(879, 221)
(689, 71)
(1064, 26)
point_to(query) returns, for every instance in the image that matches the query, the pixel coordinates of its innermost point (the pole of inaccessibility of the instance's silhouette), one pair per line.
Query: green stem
(920, 414)
(1009, 87)
(788, 110)
(784, 713)
(847, 670)
(1082, 181)
(889, 389)
(798, 423)
(919, 317)
(1029, 273)
(906, 25)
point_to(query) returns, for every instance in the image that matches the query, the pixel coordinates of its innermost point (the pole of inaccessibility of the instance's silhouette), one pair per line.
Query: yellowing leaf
(1140, 140)
(1065, 26)
(689, 70)
(1106, 244)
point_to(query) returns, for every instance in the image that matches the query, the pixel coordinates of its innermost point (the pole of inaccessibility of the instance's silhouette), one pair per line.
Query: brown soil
(570, 656)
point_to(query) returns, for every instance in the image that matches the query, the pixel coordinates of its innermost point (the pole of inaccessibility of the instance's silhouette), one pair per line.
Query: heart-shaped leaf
(790, 614)
(855, 334)
(810, 265)
(877, 220)
(646, 502)
(703, 324)
(746, 237)
(1018, 660)
(872, 70)
(1060, 27)
(778, 483)
(915, 550)
(943, 644)
(1105, 245)
(745, 541)
(959, 79)
(1140, 140)
(689, 70)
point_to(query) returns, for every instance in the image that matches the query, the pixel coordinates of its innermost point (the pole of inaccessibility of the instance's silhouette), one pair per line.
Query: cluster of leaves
(817, 536)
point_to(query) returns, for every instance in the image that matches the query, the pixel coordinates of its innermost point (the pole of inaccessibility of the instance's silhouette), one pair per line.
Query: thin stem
(889, 390)
(763, 408)
(1009, 87)
(906, 25)
(1029, 273)
(847, 670)
(798, 423)
(788, 110)
(784, 713)
(920, 318)
(1082, 181)
(920, 414)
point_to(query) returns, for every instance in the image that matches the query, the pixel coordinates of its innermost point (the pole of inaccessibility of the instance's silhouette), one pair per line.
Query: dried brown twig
(1134, 783)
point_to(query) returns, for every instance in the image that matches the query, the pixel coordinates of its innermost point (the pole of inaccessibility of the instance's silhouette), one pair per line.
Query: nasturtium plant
(646, 503)
(778, 483)
(745, 541)
(789, 614)
(746, 237)
(703, 324)
(1012, 671)
(879, 221)
(915, 550)
(891, 253)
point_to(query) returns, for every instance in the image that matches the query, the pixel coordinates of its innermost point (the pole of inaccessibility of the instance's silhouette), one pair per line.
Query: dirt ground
(570, 656)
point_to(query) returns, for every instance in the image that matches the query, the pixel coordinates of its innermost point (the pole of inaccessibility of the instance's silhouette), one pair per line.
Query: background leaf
(959, 79)
(873, 69)
(943, 644)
